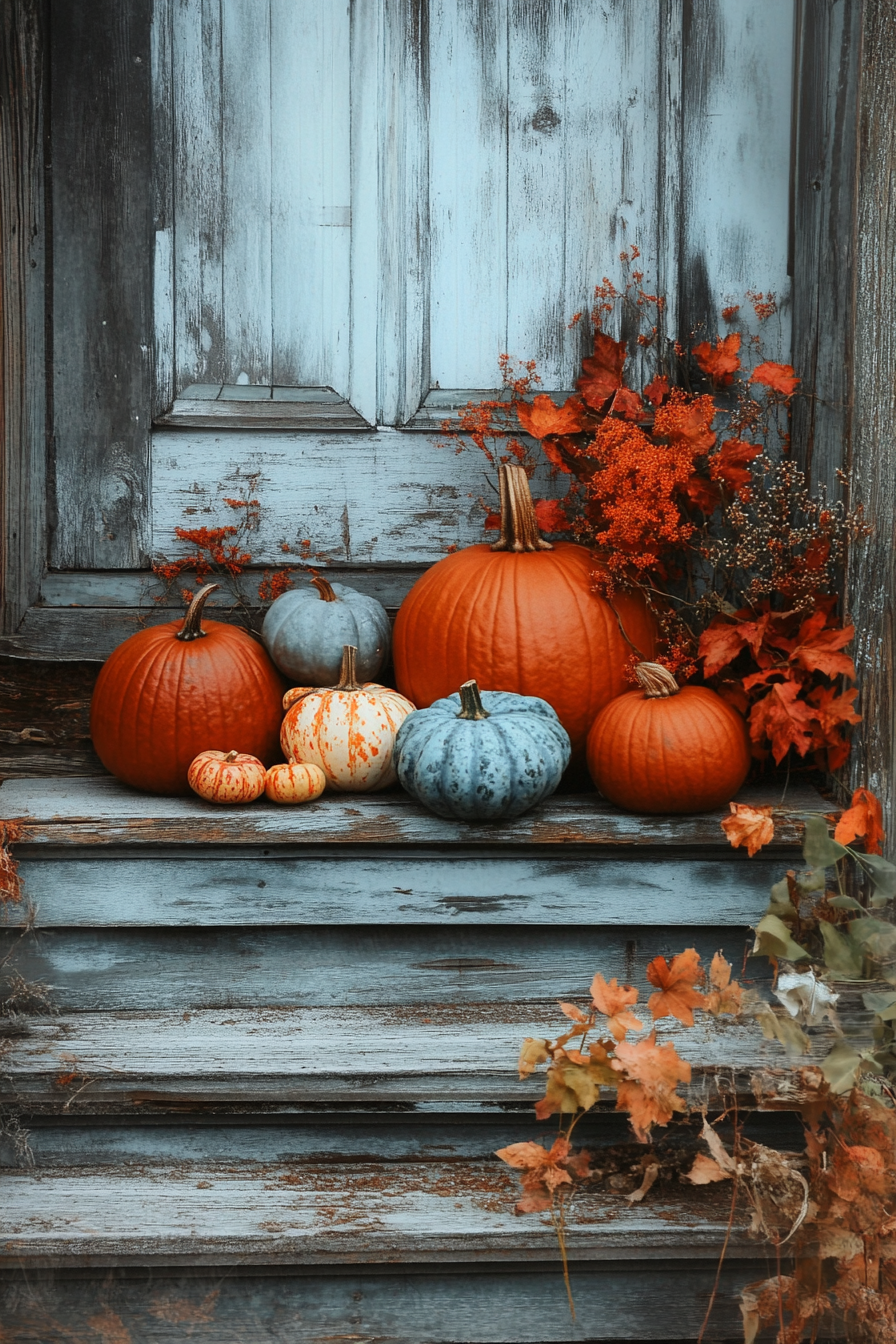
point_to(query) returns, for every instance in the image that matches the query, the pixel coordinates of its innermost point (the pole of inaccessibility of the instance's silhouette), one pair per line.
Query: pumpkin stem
(656, 681)
(519, 529)
(191, 629)
(471, 706)
(231, 756)
(324, 588)
(348, 680)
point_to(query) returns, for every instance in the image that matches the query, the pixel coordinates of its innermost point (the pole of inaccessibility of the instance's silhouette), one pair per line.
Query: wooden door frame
(844, 264)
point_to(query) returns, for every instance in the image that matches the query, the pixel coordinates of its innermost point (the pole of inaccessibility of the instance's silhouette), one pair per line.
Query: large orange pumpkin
(666, 748)
(522, 616)
(176, 689)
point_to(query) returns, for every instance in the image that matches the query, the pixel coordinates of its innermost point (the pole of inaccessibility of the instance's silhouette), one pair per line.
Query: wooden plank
(434, 1058)
(736, 143)
(468, 192)
(205, 888)
(311, 206)
(187, 413)
(824, 200)
(198, 206)
(873, 413)
(367, 19)
(246, 176)
(102, 811)
(330, 1214)
(616, 1302)
(103, 246)
(44, 719)
(23, 472)
(163, 133)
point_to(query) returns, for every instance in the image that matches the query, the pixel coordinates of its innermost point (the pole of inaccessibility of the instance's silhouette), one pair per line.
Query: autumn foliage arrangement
(681, 483)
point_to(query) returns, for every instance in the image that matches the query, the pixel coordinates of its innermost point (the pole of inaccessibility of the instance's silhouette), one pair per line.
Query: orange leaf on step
(726, 994)
(675, 980)
(648, 1089)
(750, 826)
(863, 818)
(543, 417)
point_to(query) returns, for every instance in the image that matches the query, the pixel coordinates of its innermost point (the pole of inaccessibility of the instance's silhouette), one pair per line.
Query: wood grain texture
(870, 593)
(208, 888)
(103, 246)
(737, 92)
(44, 719)
(824, 201)
(507, 1306)
(310, 1215)
(398, 1060)
(103, 811)
(23, 452)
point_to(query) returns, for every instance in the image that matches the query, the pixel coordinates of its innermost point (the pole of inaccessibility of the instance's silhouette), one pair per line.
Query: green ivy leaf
(841, 954)
(845, 903)
(876, 937)
(813, 879)
(840, 1067)
(882, 1004)
(819, 850)
(773, 940)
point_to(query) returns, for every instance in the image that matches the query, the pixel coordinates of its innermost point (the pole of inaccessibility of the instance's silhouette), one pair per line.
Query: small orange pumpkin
(296, 782)
(347, 729)
(666, 748)
(226, 777)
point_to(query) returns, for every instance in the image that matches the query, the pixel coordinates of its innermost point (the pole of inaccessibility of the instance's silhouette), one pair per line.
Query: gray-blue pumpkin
(306, 629)
(481, 756)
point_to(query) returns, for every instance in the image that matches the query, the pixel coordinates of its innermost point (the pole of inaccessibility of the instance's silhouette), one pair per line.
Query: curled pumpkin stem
(191, 628)
(656, 681)
(324, 588)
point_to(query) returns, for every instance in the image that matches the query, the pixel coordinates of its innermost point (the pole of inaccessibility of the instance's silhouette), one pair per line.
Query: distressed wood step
(422, 1057)
(335, 1213)
(104, 812)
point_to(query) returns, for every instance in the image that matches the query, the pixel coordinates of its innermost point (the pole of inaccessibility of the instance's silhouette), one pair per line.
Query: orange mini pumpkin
(347, 729)
(226, 777)
(168, 691)
(295, 782)
(666, 748)
(520, 615)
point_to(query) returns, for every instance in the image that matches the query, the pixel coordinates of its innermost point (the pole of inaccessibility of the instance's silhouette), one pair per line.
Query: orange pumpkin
(168, 691)
(666, 748)
(347, 729)
(522, 616)
(226, 777)
(297, 782)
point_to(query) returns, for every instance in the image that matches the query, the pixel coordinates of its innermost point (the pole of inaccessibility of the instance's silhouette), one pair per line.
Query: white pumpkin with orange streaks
(348, 730)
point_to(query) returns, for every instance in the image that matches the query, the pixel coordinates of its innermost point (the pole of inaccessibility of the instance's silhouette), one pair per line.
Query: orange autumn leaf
(817, 648)
(777, 377)
(863, 819)
(614, 1001)
(544, 1172)
(602, 372)
(657, 389)
(687, 422)
(648, 1089)
(675, 980)
(731, 465)
(543, 417)
(726, 995)
(720, 363)
(831, 710)
(532, 1053)
(572, 1012)
(750, 826)
(550, 516)
(627, 404)
(703, 493)
(783, 718)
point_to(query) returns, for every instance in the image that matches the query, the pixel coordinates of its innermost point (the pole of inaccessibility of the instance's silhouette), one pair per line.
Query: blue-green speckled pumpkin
(480, 758)
(306, 629)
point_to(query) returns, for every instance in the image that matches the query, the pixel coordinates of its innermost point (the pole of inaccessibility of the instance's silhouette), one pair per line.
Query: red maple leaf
(627, 404)
(731, 465)
(702, 493)
(657, 389)
(675, 981)
(722, 362)
(831, 710)
(783, 718)
(864, 817)
(817, 648)
(543, 417)
(777, 377)
(550, 516)
(602, 372)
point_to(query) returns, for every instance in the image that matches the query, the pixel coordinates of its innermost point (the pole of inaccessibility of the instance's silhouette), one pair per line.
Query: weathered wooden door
(316, 227)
